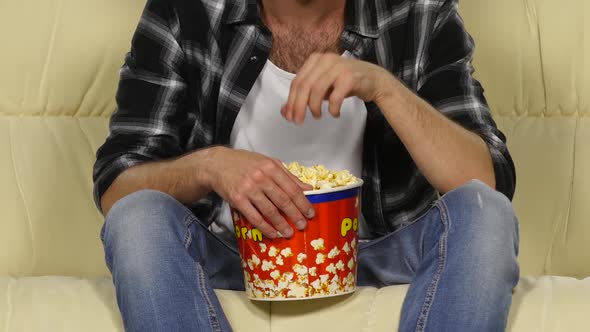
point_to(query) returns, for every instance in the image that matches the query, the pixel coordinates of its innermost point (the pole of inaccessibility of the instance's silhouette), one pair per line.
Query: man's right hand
(260, 188)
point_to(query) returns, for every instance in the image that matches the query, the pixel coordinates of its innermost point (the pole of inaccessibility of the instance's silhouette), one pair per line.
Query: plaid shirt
(192, 64)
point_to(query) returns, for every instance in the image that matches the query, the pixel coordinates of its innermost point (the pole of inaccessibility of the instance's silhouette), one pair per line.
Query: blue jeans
(459, 259)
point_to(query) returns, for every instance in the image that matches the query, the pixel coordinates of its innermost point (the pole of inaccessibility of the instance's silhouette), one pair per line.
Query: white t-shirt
(336, 143)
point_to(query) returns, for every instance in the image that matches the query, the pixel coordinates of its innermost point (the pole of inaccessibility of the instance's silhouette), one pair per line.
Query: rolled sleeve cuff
(504, 170)
(109, 171)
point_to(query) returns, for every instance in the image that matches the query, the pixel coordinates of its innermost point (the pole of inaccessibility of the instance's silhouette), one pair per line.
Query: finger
(271, 213)
(307, 66)
(322, 86)
(304, 88)
(342, 88)
(300, 184)
(256, 220)
(295, 196)
(283, 202)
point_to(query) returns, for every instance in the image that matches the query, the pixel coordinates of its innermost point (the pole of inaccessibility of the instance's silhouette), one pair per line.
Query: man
(215, 94)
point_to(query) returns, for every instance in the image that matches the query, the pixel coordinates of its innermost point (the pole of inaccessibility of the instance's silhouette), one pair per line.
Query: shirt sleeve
(447, 82)
(147, 124)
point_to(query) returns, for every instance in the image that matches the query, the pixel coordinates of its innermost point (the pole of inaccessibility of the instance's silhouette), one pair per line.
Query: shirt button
(253, 58)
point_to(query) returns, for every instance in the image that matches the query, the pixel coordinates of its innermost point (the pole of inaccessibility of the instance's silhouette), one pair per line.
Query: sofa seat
(547, 303)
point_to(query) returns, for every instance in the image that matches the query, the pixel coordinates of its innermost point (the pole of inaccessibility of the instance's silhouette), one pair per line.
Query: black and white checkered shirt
(193, 62)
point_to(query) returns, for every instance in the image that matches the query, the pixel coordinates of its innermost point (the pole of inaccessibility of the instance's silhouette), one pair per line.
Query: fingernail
(288, 232)
(310, 213)
(300, 225)
(278, 235)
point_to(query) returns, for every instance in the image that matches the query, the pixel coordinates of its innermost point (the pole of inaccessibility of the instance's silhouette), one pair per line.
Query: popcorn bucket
(319, 261)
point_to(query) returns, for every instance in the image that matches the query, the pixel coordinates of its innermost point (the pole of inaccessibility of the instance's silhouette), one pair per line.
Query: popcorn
(262, 247)
(351, 264)
(279, 260)
(300, 269)
(331, 268)
(318, 244)
(287, 252)
(316, 284)
(267, 265)
(320, 258)
(272, 252)
(301, 257)
(253, 262)
(296, 290)
(340, 265)
(334, 252)
(313, 271)
(346, 248)
(275, 274)
(320, 177)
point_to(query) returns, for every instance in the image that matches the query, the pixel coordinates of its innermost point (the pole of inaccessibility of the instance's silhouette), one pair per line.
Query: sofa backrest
(530, 57)
(59, 64)
(59, 71)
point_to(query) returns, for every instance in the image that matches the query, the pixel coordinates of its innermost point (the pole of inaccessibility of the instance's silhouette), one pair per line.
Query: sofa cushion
(71, 304)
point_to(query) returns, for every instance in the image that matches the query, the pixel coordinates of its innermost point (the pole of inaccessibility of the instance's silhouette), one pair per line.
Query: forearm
(447, 154)
(185, 178)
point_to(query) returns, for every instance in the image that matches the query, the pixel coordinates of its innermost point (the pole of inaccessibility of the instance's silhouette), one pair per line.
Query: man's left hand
(332, 77)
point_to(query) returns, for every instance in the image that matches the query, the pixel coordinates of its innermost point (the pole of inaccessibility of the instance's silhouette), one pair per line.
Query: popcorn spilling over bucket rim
(358, 183)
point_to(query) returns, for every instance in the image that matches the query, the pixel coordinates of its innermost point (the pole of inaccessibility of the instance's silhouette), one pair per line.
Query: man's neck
(306, 12)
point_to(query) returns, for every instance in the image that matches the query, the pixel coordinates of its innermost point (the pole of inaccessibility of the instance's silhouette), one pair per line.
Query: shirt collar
(243, 11)
(360, 15)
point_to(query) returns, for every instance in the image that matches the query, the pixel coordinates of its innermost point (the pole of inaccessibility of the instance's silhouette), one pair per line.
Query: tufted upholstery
(58, 74)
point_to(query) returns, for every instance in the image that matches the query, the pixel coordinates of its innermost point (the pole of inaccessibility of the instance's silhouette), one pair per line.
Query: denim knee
(484, 221)
(140, 223)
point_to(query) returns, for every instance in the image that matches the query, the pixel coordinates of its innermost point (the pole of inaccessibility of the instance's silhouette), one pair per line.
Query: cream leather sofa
(59, 63)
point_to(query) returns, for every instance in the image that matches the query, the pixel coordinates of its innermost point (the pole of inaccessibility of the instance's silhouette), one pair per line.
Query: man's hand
(331, 77)
(260, 188)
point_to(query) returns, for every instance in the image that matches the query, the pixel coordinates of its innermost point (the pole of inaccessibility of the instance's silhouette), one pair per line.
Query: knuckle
(269, 165)
(283, 201)
(345, 71)
(246, 187)
(334, 98)
(236, 197)
(258, 175)
(257, 222)
(318, 85)
(272, 213)
(292, 191)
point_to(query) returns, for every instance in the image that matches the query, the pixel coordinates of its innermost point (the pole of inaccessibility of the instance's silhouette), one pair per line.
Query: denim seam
(190, 219)
(213, 322)
(103, 238)
(188, 238)
(442, 253)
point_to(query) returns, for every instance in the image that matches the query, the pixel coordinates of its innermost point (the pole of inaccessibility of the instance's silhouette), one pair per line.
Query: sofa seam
(572, 182)
(556, 227)
(84, 134)
(22, 194)
(8, 305)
